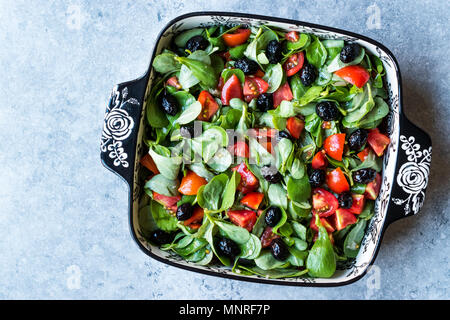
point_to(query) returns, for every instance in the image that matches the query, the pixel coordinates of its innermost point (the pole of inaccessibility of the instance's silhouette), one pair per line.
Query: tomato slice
(236, 38)
(357, 204)
(147, 161)
(324, 223)
(343, 218)
(231, 89)
(190, 183)
(324, 202)
(356, 75)
(240, 149)
(295, 126)
(248, 180)
(294, 63)
(220, 84)
(363, 154)
(169, 203)
(263, 133)
(252, 200)
(173, 81)
(194, 222)
(336, 181)
(334, 146)
(267, 237)
(243, 218)
(292, 36)
(253, 87)
(373, 188)
(283, 93)
(319, 161)
(378, 141)
(209, 106)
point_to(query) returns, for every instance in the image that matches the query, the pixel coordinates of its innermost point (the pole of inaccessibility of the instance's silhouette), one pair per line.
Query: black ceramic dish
(406, 163)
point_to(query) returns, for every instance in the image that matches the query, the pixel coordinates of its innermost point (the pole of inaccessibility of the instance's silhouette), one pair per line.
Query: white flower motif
(413, 177)
(118, 124)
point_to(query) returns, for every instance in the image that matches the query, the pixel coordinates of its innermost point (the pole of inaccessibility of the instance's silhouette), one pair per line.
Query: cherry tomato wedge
(356, 75)
(283, 93)
(240, 149)
(334, 146)
(267, 237)
(295, 126)
(363, 154)
(173, 81)
(254, 86)
(169, 203)
(194, 222)
(336, 181)
(373, 188)
(236, 38)
(292, 36)
(357, 203)
(294, 63)
(378, 141)
(252, 200)
(343, 218)
(324, 202)
(324, 223)
(243, 218)
(248, 180)
(319, 161)
(190, 183)
(231, 89)
(147, 161)
(262, 133)
(209, 106)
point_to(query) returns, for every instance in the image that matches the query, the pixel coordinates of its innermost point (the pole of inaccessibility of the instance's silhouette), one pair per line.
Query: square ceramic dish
(405, 168)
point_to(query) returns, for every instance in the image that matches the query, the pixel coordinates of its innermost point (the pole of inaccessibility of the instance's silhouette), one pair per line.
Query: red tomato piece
(259, 73)
(169, 203)
(363, 154)
(248, 180)
(173, 81)
(343, 218)
(262, 133)
(225, 55)
(294, 63)
(231, 89)
(336, 181)
(209, 106)
(373, 188)
(357, 204)
(238, 37)
(253, 87)
(194, 222)
(334, 146)
(319, 161)
(267, 145)
(295, 126)
(252, 200)
(356, 75)
(240, 149)
(378, 141)
(283, 93)
(292, 36)
(190, 183)
(324, 223)
(220, 84)
(243, 218)
(267, 237)
(147, 161)
(324, 202)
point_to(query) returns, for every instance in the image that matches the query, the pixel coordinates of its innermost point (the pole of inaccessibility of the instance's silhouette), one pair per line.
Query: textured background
(63, 222)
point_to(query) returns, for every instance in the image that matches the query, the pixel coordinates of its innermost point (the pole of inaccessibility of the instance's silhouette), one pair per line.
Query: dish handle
(411, 172)
(121, 126)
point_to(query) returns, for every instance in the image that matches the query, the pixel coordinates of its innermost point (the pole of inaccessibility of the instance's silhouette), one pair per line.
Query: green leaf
(310, 95)
(235, 233)
(277, 195)
(337, 64)
(302, 41)
(298, 190)
(230, 191)
(168, 166)
(353, 240)
(147, 223)
(183, 37)
(321, 262)
(190, 113)
(201, 70)
(316, 53)
(166, 63)
(274, 77)
(251, 249)
(227, 73)
(238, 51)
(299, 229)
(160, 184)
(266, 261)
(209, 196)
(162, 218)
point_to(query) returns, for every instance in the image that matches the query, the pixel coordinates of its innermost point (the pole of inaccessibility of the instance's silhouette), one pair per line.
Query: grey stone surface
(63, 222)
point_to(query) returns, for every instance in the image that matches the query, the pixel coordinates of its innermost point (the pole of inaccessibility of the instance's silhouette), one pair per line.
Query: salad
(264, 150)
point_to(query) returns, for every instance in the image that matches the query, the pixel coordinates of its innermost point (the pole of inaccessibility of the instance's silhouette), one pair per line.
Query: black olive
(279, 249)
(327, 110)
(168, 103)
(160, 237)
(246, 65)
(274, 51)
(196, 43)
(187, 132)
(364, 175)
(271, 174)
(308, 74)
(273, 216)
(357, 139)
(283, 134)
(317, 178)
(349, 52)
(345, 200)
(264, 102)
(184, 211)
(227, 247)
